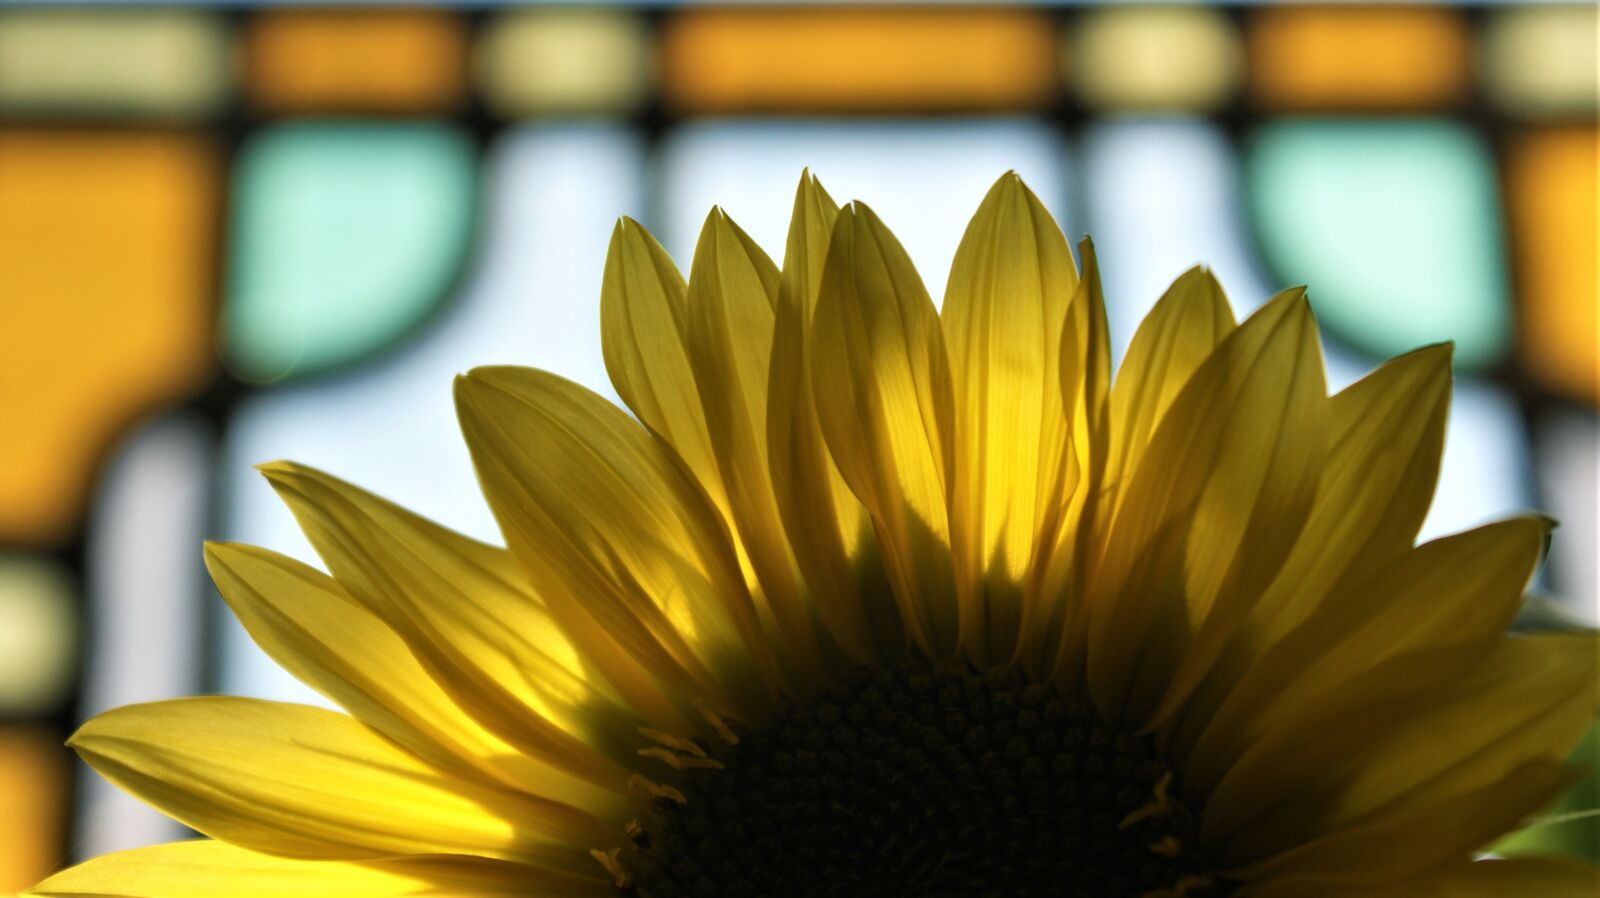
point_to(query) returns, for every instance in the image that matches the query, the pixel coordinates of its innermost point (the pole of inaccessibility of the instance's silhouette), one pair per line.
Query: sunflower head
(871, 597)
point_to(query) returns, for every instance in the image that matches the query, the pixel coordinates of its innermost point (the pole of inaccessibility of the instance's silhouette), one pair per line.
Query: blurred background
(235, 235)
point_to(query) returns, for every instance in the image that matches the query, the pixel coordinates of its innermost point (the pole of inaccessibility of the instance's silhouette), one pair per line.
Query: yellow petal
(1421, 836)
(315, 629)
(1386, 437)
(1514, 878)
(1386, 433)
(733, 291)
(1460, 590)
(1011, 283)
(631, 559)
(881, 383)
(468, 615)
(826, 525)
(644, 330)
(305, 782)
(1180, 332)
(1213, 509)
(1056, 615)
(1418, 728)
(207, 869)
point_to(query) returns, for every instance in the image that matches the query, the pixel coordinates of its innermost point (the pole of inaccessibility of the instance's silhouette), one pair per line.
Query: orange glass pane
(1552, 187)
(33, 793)
(106, 244)
(397, 60)
(822, 59)
(1358, 57)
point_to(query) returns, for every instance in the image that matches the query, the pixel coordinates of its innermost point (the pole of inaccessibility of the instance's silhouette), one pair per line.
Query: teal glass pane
(1394, 225)
(344, 237)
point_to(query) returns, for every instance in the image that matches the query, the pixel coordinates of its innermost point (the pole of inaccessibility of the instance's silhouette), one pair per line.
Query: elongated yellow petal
(315, 629)
(1419, 837)
(1180, 332)
(1056, 615)
(1011, 283)
(733, 293)
(468, 615)
(1386, 435)
(1218, 499)
(644, 329)
(622, 545)
(1512, 878)
(1459, 590)
(1419, 728)
(881, 383)
(826, 524)
(305, 782)
(207, 869)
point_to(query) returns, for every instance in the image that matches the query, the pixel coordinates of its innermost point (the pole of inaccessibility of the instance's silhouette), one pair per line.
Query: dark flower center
(924, 781)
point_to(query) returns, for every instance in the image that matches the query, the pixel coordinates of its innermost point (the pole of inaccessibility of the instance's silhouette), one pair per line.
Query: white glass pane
(553, 195)
(146, 590)
(1484, 475)
(923, 179)
(1160, 196)
(1569, 455)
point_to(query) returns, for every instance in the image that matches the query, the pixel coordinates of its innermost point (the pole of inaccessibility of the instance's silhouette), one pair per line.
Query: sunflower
(872, 599)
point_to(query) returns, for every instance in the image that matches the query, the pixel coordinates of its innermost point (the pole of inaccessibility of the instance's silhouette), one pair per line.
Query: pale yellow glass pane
(158, 63)
(340, 60)
(1358, 57)
(1159, 57)
(38, 634)
(826, 59)
(1552, 189)
(33, 799)
(106, 242)
(1544, 61)
(552, 61)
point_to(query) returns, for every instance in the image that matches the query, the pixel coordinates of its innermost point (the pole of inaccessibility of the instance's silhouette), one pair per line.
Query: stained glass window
(228, 237)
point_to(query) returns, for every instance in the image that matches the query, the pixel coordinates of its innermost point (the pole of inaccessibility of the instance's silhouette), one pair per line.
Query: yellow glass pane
(33, 797)
(393, 60)
(1544, 61)
(1358, 57)
(39, 636)
(552, 61)
(163, 63)
(830, 59)
(1154, 58)
(1552, 189)
(106, 242)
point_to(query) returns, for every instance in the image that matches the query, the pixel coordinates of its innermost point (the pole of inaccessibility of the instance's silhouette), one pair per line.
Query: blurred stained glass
(344, 237)
(349, 206)
(320, 60)
(1395, 227)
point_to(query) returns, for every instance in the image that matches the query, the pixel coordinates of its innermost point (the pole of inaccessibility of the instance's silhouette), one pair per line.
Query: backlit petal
(1460, 590)
(826, 524)
(882, 389)
(207, 869)
(1011, 283)
(1419, 728)
(733, 292)
(644, 330)
(467, 614)
(1213, 509)
(304, 782)
(623, 546)
(314, 628)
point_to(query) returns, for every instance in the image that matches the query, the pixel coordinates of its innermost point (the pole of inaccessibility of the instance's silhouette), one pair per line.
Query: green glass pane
(1394, 225)
(344, 237)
